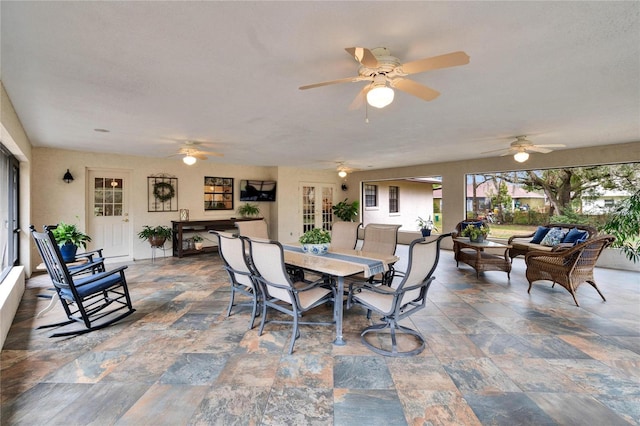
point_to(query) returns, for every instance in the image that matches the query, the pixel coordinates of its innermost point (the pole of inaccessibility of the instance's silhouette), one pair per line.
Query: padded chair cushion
(553, 237)
(541, 232)
(382, 302)
(575, 235)
(92, 287)
(311, 296)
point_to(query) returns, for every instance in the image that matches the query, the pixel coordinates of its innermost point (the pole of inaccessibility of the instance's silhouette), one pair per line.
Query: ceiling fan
(521, 148)
(192, 153)
(385, 73)
(344, 170)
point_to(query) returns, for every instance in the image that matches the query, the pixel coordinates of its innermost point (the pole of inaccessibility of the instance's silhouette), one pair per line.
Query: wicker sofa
(522, 244)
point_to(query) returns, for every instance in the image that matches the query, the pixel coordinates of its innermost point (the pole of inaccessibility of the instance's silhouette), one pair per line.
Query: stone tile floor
(495, 355)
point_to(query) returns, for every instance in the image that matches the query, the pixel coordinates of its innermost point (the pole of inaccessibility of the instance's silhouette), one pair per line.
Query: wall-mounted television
(257, 190)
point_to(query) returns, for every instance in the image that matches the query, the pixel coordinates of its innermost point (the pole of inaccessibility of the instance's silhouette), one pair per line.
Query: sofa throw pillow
(574, 235)
(541, 232)
(553, 237)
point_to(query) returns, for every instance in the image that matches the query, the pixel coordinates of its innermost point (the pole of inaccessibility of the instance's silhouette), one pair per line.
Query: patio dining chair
(95, 300)
(233, 252)
(344, 235)
(400, 300)
(253, 228)
(280, 292)
(380, 238)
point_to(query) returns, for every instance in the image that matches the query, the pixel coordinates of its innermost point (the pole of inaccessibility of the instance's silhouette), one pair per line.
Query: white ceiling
(159, 73)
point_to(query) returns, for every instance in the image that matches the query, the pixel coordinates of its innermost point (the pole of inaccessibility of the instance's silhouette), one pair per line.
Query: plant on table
(249, 210)
(315, 241)
(475, 232)
(197, 238)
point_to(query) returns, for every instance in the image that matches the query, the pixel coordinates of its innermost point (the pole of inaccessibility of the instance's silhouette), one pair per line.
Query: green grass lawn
(507, 230)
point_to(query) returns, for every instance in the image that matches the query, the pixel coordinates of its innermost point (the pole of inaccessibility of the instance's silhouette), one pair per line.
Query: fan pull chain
(366, 112)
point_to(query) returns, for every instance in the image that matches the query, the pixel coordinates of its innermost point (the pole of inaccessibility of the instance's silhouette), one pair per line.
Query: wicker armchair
(570, 267)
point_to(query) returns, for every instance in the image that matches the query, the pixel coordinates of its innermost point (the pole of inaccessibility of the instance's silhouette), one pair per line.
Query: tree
(565, 187)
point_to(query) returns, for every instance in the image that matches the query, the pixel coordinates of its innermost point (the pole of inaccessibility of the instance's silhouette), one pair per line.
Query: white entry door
(316, 202)
(109, 225)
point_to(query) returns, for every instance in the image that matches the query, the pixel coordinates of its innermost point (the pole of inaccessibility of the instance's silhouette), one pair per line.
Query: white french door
(109, 225)
(316, 201)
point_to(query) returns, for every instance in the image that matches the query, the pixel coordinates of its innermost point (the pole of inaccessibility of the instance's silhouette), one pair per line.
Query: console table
(473, 254)
(181, 229)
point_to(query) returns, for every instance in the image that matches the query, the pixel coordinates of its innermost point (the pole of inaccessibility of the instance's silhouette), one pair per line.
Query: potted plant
(315, 241)
(476, 233)
(249, 210)
(624, 224)
(69, 238)
(198, 241)
(346, 211)
(156, 235)
(426, 226)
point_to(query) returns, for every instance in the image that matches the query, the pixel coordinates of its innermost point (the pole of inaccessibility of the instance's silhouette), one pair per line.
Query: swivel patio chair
(344, 235)
(95, 300)
(568, 267)
(279, 292)
(402, 300)
(233, 251)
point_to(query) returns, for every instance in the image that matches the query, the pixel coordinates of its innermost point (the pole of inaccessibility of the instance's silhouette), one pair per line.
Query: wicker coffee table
(474, 255)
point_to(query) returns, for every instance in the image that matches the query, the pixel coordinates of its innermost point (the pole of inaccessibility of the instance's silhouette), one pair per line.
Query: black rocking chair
(96, 299)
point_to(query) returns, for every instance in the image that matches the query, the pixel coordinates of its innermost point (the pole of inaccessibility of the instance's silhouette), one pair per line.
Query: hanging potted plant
(156, 235)
(346, 211)
(69, 238)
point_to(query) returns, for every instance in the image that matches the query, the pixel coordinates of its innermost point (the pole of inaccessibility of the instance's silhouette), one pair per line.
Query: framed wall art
(218, 193)
(162, 192)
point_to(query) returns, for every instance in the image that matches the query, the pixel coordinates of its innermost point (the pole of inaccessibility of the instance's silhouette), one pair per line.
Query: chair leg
(593, 283)
(233, 294)
(264, 317)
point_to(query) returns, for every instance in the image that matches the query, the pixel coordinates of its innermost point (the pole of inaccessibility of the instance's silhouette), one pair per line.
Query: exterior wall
(416, 199)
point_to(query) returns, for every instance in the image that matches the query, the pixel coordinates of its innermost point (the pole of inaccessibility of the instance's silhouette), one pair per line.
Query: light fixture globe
(342, 173)
(189, 160)
(521, 156)
(380, 96)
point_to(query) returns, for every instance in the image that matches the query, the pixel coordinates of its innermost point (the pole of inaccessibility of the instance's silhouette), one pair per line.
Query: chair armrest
(89, 254)
(79, 269)
(511, 238)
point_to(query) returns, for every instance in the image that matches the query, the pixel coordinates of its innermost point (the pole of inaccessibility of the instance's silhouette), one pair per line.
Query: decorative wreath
(163, 191)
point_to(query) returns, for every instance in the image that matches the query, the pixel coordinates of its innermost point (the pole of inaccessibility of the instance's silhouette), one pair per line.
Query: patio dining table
(338, 264)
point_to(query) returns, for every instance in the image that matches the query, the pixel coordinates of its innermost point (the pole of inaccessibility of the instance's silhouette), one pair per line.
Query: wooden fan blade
(363, 55)
(415, 89)
(505, 150)
(213, 154)
(538, 148)
(443, 61)
(199, 156)
(551, 145)
(326, 83)
(360, 98)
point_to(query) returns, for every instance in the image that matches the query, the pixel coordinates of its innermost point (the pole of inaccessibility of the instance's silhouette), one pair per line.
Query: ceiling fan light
(342, 173)
(521, 156)
(189, 160)
(380, 96)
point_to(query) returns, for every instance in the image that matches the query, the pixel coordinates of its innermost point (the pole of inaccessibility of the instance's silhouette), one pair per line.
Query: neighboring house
(521, 199)
(605, 202)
